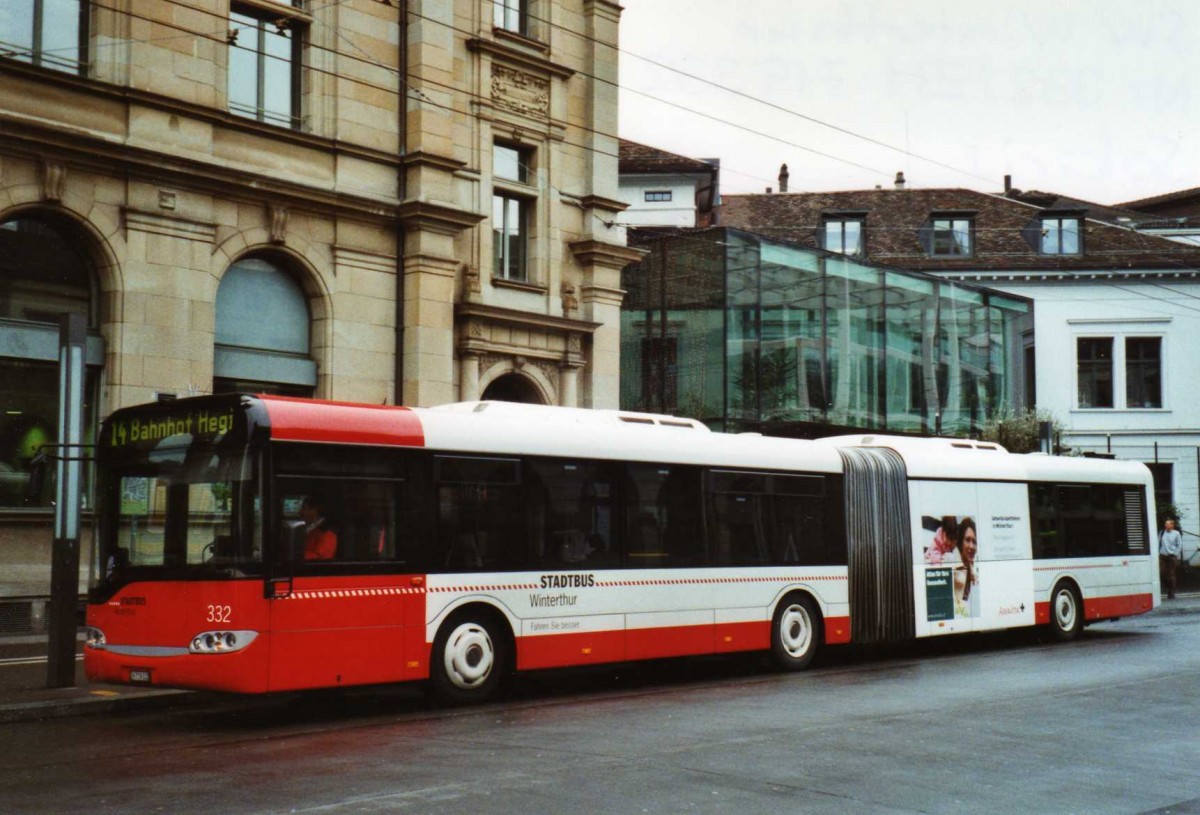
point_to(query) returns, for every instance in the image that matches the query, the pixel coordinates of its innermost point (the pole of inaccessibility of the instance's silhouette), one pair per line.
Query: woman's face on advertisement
(969, 545)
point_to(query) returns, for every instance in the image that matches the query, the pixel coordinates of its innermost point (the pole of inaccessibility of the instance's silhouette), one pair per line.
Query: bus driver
(320, 542)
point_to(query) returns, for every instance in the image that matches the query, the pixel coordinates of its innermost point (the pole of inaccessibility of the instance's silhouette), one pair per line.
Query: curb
(86, 706)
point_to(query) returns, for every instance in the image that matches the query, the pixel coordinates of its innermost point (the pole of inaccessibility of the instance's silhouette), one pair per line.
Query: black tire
(470, 659)
(796, 633)
(1066, 612)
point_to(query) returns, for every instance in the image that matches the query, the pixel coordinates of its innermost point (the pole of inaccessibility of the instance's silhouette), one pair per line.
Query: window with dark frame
(47, 33)
(510, 212)
(843, 235)
(1061, 235)
(1094, 371)
(952, 237)
(1143, 372)
(1164, 483)
(657, 196)
(511, 15)
(264, 66)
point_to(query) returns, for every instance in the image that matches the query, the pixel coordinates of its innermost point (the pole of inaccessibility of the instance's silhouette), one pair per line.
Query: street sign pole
(64, 564)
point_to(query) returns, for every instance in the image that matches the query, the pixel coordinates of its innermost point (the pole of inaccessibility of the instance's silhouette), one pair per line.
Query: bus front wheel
(795, 633)
(1066, 612)
(470, 656)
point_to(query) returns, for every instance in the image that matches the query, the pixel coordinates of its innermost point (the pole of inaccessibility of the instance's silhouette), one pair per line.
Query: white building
(664, 189)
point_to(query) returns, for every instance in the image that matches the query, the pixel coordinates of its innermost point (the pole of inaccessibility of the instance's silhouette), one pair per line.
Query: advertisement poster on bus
(971, 556)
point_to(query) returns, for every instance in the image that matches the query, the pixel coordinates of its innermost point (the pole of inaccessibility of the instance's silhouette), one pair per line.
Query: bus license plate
(137, 675)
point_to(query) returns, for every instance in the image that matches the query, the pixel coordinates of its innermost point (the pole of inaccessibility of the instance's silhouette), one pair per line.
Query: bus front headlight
(221, 642)
(94, 639)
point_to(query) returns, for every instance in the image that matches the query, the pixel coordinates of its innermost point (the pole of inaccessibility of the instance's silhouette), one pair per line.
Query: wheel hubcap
(1065, 609)
(469, 656)
(795, 631)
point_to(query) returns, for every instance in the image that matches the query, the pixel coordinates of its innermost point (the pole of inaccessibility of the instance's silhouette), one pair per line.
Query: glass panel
(60, 33)
(1095, 372)
(853, 238)
(570, 506)
(854, 344)
(43, 273)
(508, 237)
(507, 15)
(345, 519)
(1143, 372)
(481, 526)
(1070, 236)
(661, 526)
(507, 162)
(16, 27)
(1051, 238)
(28, 420)
(185, 514)
(277, 76)
(962, 360)
(911, 331)
(244, 65)
(254, 287)
(952, 236)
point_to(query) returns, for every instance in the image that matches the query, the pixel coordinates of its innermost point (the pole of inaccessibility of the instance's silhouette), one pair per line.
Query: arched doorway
(512, 388)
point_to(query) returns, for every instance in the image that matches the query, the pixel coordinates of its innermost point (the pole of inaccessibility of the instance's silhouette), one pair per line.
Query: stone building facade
(406, 202)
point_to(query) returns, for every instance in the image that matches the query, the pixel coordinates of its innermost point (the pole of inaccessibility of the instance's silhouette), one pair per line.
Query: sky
(1095, 99)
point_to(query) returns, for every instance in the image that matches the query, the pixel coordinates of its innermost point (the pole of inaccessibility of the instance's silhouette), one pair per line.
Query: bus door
(340, 600)
(877, 532)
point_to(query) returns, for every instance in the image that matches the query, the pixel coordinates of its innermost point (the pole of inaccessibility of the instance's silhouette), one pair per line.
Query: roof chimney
(900, 180)
(783, 178)
(769, 190)
(1008, 185)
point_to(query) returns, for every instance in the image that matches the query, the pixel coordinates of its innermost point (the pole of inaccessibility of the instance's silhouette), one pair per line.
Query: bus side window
(738, 502)
(578, 514)
(481, 522)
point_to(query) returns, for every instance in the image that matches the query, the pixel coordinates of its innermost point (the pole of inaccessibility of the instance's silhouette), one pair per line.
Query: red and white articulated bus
(258, 543)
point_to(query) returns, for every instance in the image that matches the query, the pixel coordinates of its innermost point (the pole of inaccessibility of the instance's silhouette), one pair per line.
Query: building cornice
(513, 56)
(439, 218)
(37, 140)
(592, 252)
(524, 319)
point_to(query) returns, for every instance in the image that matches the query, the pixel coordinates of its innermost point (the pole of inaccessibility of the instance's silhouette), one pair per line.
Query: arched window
(44, 273)
(262, 332)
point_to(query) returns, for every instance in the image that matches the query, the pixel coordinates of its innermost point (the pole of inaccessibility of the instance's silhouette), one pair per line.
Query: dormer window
(1060, 235)
(843, 234)
(952, 236)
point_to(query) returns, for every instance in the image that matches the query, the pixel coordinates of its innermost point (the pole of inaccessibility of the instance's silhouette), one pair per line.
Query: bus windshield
(184, 510)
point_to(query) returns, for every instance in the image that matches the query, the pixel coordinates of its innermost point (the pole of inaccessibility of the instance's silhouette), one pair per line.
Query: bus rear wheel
(795, 633)
(470, 657)
(1066, 612)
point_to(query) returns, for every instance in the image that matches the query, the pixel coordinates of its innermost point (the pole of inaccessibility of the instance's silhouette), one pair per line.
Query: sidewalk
(24, 696)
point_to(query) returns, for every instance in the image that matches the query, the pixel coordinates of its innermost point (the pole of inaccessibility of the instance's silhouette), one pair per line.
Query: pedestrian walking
(1170, 547)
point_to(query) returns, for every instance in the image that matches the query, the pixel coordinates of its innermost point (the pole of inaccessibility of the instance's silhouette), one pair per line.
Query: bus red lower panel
(1103, 608)
(563, 650)
(837, 630)
(242, 672)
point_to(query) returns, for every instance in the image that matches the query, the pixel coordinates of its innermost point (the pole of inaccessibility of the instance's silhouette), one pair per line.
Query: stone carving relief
(520, 92)
(279, 225)
(54, 180)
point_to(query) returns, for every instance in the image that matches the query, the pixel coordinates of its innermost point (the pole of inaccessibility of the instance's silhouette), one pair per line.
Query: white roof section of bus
(507, 428)
(969, 459)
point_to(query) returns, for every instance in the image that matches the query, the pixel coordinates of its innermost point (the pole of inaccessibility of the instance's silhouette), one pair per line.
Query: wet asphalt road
(995, 724)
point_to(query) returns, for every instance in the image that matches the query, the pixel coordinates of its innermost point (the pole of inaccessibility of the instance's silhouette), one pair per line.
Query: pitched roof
(1005, 237)
(641, 158)
(1152, 203)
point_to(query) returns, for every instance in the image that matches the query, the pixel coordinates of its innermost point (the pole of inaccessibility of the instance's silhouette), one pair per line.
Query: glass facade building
(748, 333)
